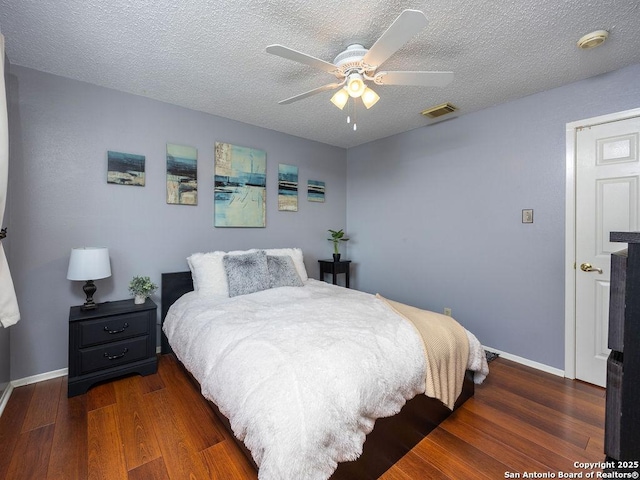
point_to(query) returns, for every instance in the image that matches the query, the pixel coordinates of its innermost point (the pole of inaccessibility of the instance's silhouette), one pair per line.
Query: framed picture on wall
(240, 195)
(287, 188)
(125, 168)
(182, 175)
(315, 191)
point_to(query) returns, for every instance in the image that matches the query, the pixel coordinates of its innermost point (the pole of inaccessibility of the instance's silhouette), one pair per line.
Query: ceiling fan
(357, 65)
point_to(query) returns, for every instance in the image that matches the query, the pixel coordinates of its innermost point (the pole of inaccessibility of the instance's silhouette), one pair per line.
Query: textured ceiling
(209, 55)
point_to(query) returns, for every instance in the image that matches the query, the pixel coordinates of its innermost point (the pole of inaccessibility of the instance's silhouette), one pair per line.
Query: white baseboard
(41, 377)
(21, 382)
(527, 362)
(6, 393)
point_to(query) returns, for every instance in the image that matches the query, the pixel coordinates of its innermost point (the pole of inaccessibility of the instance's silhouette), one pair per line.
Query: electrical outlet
(447, 311)
(527, 215)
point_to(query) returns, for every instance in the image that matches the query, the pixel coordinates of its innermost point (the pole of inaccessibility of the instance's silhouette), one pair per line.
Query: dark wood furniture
(335, 268)
(391, 438)
(622, 414)
(114, 339)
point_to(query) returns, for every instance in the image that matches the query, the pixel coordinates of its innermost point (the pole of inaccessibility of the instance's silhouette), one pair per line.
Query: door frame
(570, 232)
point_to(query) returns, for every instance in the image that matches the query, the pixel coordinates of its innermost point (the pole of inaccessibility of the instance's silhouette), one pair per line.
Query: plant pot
(336, 257)
(139, 299)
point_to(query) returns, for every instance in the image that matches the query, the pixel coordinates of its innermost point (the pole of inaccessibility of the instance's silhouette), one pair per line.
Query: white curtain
(9, 312)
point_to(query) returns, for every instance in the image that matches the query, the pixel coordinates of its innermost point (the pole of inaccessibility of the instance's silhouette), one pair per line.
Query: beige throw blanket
(446, 350)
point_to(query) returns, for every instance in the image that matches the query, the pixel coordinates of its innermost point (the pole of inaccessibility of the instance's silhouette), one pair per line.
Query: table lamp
(89, 264)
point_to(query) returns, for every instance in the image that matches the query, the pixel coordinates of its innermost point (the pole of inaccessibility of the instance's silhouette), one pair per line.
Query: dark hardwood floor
(159, 427)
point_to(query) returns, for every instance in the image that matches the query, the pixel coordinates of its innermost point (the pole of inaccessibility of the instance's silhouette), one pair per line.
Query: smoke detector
(593, 39)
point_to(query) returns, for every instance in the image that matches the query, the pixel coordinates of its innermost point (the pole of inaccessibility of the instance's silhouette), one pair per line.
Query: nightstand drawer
(118, 327)
(113, 354)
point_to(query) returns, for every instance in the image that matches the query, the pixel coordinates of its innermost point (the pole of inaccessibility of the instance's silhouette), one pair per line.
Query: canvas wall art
(182, 175)
(287, 188)
(125, 168)
(315, 191)
(240, 186)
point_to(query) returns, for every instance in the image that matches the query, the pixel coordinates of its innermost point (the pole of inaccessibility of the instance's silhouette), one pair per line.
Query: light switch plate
(527, 216)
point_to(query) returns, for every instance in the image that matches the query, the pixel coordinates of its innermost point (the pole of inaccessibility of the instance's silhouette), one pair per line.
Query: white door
(607, 199)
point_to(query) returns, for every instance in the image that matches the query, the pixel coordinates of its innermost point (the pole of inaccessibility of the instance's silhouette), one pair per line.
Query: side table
(114, 339)
(335, 268)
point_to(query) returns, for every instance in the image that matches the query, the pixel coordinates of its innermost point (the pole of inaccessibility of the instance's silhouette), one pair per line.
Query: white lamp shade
(355, 85)
(89, 263)
(340, 98)
(369, 98)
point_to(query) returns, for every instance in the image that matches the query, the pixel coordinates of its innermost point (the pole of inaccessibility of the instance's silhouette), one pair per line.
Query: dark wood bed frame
(391, 438)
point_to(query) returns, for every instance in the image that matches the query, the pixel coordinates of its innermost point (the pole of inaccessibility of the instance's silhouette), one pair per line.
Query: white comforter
(301, 373)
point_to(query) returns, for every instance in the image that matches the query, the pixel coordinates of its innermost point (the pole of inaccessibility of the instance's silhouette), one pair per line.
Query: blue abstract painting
(125, 168)
(182, 175)
(287, 188)
(240, 195)
(315, 191)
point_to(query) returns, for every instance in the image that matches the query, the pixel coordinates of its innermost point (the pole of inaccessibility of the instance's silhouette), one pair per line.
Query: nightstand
(114, 339)
(335, 268)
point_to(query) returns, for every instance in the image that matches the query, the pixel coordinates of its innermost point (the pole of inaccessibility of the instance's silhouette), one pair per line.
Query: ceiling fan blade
(424, 79)
(408, 24)
(290, 54)
(324, 88)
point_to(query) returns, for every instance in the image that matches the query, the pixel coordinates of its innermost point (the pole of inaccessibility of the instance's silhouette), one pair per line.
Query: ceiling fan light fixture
(340, 98)
(355, 85)
(369, 98)
(357, 66)
(593, 39)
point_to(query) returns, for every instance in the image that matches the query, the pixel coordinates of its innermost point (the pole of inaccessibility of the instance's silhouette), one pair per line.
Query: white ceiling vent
(439, 110)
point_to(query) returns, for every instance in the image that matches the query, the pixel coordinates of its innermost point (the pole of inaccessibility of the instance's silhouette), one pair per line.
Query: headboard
(174, 285)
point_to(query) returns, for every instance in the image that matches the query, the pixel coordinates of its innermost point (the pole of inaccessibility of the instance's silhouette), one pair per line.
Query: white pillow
(296, 255)
(208, 273)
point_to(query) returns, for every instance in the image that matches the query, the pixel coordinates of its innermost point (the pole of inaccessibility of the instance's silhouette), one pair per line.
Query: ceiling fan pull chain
(355, 116)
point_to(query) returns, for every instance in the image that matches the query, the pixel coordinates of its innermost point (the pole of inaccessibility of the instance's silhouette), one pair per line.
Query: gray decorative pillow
(282, 272)
(246, 273)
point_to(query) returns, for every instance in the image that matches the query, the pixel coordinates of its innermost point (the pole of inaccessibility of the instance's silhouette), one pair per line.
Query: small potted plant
(141, 288)
(337, 236)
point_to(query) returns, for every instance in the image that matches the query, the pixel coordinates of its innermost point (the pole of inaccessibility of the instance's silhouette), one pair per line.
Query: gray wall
(435, 214)
(60, 131)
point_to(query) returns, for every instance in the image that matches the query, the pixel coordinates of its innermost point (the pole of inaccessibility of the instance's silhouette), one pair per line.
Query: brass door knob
(587, 267)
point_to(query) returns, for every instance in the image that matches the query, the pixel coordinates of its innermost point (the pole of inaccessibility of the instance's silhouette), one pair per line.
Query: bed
(214, 336)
